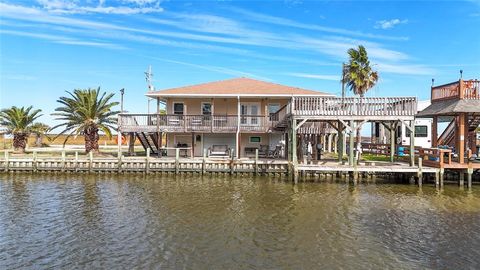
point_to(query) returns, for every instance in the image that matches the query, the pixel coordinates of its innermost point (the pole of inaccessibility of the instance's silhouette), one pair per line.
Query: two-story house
(240, 114)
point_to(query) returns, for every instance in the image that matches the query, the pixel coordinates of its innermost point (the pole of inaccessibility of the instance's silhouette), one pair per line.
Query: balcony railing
(462, 89)
(354, 106)
(193, 123)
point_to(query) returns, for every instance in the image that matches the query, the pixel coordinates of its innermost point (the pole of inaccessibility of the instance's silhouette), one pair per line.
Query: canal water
(190, 222)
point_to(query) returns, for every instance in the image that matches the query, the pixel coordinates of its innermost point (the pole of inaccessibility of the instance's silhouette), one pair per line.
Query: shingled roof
(451, 107)
(236, 87)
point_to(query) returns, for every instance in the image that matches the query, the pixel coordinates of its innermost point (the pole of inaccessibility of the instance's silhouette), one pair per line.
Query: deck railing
(353, 106)
(462, 89)
(193, 123)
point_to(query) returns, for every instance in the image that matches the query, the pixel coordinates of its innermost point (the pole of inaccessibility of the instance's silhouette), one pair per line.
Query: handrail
(355, 106)
(446, 133)
(462, 89)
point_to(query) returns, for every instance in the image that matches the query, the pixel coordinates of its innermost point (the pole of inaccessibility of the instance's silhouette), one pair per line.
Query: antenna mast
(148, 79)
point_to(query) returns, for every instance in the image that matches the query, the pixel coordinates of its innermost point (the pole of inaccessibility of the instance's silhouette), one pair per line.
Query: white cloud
(290, 23)
(77, 6)
(62, 39)
(314, 76)
(387, 24)
(405, 69)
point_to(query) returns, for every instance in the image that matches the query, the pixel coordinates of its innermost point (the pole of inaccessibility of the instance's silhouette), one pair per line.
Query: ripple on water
(101, 221)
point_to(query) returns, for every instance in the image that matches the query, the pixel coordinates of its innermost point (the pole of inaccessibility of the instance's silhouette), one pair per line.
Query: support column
(330, 142)
(131, 144)
(392, 141)
(340, 143)
(237, 137)
(294, 150)
(461, 138)
(412, 143)
(435, 131)
(352, 142)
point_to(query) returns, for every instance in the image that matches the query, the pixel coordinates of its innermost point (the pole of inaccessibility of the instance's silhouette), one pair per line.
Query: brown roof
(235, 87)
(450, 107)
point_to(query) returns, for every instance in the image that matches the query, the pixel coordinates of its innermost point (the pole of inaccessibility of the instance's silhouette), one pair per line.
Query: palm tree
(19, 122)
(39, 129)
(358, 75)
(86, 112)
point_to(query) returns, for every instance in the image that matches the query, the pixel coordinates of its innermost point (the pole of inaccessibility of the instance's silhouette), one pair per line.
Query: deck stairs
(448, 135)
(148, 141)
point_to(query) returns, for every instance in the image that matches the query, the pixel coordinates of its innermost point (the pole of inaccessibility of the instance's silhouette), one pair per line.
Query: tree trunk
(20, 141)
(38, 140)
(91, 140)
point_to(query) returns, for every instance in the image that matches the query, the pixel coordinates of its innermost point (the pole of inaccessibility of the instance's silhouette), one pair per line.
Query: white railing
(353, 106)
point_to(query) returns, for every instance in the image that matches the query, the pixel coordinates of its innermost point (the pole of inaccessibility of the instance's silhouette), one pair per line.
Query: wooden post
(256, 161)
(147, 161)
(237, 138)
(330, 143)
(461, 178)
(355, 170)
(131, 144)
(412, 143)
(340, 143)
(435, 131)
(76, 161)
(35, 161)
(392, 141)
(63, 160)
(437, 178)
(204, 161)
(442, 174)
(294, 151)
(90, 165)
(352, 142)
(461, 138)
(177, 157)
(469, 177)
(119, 162)
(7, 161)
(420, 172)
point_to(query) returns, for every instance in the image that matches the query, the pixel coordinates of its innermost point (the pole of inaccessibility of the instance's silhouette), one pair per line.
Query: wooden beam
(435, 131)
(461, 138)
(351, 150)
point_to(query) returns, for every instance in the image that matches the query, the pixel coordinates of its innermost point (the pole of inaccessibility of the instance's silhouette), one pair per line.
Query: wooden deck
(462, 89)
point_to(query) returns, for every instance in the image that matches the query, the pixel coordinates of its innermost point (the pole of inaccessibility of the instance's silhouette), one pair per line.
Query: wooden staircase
(448, 135)
(148, 141)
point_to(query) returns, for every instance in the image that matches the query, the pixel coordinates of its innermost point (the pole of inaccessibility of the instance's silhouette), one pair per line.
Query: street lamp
(122, 92)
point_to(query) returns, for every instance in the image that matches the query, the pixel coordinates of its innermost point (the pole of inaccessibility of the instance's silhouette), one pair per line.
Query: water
(102, 221)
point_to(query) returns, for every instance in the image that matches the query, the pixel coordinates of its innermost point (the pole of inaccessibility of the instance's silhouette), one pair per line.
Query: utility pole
(343, 81)
(122, 92)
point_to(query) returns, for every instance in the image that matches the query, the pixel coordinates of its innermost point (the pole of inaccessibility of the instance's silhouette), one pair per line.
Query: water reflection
(194, 222)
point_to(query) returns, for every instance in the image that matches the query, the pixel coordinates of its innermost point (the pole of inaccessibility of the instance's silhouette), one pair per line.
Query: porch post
(159, 137)
(392, 141)
(237, 138)
(435, 131)
(340, 141)
(412, 143)
(352, 146)
(461, 138)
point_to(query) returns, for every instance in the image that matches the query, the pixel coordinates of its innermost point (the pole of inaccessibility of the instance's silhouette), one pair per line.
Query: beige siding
(221, 106)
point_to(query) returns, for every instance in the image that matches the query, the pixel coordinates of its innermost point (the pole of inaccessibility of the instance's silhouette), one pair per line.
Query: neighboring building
(243, 114)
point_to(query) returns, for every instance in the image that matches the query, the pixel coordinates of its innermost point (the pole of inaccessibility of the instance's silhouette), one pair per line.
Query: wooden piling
(34, 163)
(204, 161)
(147, 161)
(7, 160)
(90, 164)
(177, 161)
(256, 161)
(420, 172)
(469, 177)
(461, 178)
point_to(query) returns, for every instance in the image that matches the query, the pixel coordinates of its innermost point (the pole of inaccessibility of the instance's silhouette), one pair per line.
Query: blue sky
(50, 46)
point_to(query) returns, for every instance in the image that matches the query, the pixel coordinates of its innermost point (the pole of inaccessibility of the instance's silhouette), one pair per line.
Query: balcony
(194, 123)
(468, 89)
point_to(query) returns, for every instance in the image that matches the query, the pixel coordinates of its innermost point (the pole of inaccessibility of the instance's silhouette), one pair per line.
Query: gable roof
(236, 87)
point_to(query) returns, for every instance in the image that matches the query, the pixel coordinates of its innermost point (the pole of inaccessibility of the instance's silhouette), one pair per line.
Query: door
(249, 114)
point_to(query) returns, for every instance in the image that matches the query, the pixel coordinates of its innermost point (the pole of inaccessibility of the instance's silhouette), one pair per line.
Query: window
(206, 108)
(255, 139)
(177, 108)
(420, 132)
(272, 109)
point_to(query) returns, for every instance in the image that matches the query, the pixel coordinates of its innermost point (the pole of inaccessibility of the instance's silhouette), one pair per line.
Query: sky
(48, 47)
